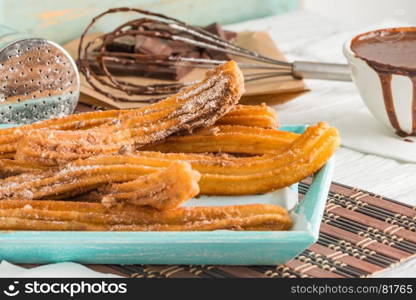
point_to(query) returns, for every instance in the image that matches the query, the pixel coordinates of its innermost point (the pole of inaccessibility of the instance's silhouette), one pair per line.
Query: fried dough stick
(244, 115)
(251, 115)
(162, 188)
(227, 175)
(67, 215)
(230, 175)
(228, 139)
(199, 105)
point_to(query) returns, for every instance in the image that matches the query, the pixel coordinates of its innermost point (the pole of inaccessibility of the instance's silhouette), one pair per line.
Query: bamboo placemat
(361, 234)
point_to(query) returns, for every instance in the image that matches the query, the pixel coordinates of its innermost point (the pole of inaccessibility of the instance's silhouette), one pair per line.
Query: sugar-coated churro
(56, 147)
(67, 215)
(162, 188)
(245, 115)
(11, 167)
(199, 105)
(251, 115)
(230, 175)
(228, 139)
(10, 136)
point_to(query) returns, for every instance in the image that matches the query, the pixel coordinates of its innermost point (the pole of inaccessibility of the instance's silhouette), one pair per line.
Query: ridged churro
(10, 136)
(67, 215)
(228, 139)
(230, 175)
(11, 167)
(251, 115)
(199, 105)
(162, 188)
(245, 115)
(57, 147)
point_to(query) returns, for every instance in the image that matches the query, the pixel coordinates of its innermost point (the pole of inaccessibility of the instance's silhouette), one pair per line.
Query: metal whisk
(164, 27)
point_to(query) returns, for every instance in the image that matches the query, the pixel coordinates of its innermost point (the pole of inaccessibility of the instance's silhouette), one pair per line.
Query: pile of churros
(130, 170)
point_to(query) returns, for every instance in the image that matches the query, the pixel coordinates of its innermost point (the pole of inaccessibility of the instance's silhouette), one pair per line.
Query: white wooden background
(308, 36)
(364, 12)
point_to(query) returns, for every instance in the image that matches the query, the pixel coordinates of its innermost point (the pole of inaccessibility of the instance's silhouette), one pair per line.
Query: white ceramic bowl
(369, 86)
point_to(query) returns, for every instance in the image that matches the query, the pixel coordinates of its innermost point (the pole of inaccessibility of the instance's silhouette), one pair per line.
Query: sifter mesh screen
(38, 80)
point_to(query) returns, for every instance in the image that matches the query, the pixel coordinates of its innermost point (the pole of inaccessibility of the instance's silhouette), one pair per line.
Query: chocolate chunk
(141, 70)
(122, 44)
(180, 47)
(216, 29)
(153, 46)
(230, 35)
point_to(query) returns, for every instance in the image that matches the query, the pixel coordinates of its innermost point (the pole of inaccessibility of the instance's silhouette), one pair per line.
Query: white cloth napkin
(58, 270)
(361, 132)
(407, 270)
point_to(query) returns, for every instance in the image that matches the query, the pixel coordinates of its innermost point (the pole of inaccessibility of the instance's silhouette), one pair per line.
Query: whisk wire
(228, 47)
(155, 25)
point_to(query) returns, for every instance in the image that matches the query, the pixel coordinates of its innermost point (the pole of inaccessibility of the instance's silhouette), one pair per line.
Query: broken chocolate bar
(142, 70)
(122, 44)
(153, 45)
(216, 29)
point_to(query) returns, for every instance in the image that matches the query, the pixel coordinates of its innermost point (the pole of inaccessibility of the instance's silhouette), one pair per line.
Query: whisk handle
(316, 70)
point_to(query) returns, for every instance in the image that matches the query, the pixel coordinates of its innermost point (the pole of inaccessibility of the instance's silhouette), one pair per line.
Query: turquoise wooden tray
(218, 247)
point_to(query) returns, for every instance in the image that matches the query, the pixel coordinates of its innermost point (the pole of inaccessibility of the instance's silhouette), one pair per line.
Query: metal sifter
(38, 79)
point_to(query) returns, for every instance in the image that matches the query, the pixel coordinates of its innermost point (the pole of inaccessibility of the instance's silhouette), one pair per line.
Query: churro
(162, 188)
(57, 147)
(199, 105)
(11, 167)
(251, 115)
(230, 175)
(228, 139)
(245, 115)
(68, 215)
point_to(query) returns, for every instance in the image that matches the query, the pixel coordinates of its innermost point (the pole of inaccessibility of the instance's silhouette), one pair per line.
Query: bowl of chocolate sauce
(383, 66)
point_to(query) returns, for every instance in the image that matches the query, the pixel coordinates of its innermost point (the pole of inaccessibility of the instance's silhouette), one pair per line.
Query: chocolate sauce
(390, 51)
